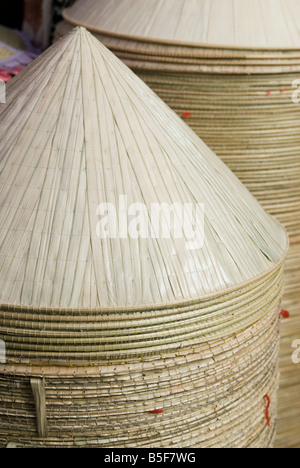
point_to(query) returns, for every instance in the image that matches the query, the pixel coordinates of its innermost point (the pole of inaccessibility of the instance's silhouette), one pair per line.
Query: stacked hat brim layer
(230, 69)
(188, 59)
(118, 341)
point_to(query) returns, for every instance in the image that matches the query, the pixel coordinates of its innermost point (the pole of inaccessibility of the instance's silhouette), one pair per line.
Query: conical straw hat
(259, 24)
(195, 36)
(172, 58)
(138, 140)
(5, 52)
(123, 342)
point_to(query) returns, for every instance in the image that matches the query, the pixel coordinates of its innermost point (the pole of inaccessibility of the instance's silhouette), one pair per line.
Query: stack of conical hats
(132, 341)
(231, 69)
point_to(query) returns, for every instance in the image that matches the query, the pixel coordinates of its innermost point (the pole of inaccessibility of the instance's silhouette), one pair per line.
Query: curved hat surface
(87, 363)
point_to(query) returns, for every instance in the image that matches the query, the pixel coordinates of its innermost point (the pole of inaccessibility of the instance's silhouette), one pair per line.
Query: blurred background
(26, 29)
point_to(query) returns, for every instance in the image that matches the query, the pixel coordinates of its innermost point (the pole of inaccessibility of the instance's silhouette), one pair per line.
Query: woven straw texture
(16, 51)
(11, 38)
(10, 43)
(133, 343)
(228, 69)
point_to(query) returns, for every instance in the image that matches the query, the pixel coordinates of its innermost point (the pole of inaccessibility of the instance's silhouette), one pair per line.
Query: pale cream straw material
(11, 38)
(230, 70)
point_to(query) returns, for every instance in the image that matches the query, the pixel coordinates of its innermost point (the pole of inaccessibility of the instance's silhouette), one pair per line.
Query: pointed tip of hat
(80, 30)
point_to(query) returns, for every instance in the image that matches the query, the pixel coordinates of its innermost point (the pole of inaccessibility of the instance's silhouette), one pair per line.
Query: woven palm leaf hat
(231, 69)
(132, 341)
